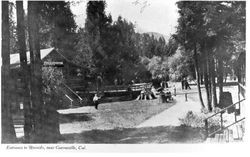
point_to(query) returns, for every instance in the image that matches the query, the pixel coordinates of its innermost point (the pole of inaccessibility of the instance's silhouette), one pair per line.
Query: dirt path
(170, 117)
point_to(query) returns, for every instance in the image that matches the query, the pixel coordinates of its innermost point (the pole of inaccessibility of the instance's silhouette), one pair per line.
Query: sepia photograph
(122, 72)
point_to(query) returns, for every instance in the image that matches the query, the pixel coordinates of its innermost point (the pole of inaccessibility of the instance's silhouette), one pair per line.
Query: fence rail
(222, 127)
(73, 92)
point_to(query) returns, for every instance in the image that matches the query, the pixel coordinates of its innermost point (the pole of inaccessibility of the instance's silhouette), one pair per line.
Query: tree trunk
(220, 75)
(202, 76)
(206, 81)
(24, 70)
(202, 70)
(198, 75)
(212, 79)
(8, 131)
(39, 135)
(208, 56)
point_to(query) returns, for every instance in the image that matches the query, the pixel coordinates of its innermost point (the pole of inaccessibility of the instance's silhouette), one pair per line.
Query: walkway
(171, 116)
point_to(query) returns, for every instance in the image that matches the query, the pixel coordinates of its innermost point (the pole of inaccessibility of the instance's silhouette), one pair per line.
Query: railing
(221, 120)
(183, 93)
(242, 89)
(74, 93)
(119, 88)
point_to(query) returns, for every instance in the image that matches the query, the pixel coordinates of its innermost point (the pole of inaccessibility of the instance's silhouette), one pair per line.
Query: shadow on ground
(75, 117)
(161, 134)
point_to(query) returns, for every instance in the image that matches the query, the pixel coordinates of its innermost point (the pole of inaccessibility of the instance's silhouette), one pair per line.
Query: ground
(143, 121)
(160, 134)
(127, 114)
(138, 121)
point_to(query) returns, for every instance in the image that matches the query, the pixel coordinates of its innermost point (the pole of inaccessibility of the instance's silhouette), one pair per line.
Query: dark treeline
(111, 49)
(104, 47)
(212, 34)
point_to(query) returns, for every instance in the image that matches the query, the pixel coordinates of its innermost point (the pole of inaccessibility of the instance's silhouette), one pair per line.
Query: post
(221, 121)
(235, 114)
(239, 93)
(174, 91)
(186, 97)
(206, 127)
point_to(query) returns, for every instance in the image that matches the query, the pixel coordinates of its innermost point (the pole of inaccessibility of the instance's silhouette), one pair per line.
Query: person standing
(96, 101)
(187, 85)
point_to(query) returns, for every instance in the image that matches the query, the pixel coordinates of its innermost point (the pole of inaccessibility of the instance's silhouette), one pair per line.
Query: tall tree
(197, 74)
(21, 46)
(214, 25)
(57, 27)
(224, 21)
(39, 134)
(205, 63)
(190, 32)
(96, 25)
(8, 132)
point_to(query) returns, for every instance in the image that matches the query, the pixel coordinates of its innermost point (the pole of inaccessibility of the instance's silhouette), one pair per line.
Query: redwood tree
(21, 47)
(190, 32)
(7, 127)
(39, 134)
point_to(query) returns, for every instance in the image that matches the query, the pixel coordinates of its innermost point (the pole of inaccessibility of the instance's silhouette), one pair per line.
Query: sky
(148, 15)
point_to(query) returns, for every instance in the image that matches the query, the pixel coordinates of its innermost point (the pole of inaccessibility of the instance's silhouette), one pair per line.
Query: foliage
(212, 31)
(115, 47)
(96, 26)
(196, 120)
(57, 27)
(180, 65)
(84, 52)
(150, 46)
(158, 67)
(13, 29)
(52, 79)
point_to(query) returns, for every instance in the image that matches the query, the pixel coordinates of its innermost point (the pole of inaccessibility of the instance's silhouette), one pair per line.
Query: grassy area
(162, 134)
(126, 114)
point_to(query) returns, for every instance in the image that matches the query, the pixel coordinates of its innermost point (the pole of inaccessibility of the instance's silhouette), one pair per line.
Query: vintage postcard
(103, 75)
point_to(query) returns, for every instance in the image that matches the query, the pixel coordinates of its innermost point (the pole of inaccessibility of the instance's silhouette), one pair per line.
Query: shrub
(52, 79)
(196, 120)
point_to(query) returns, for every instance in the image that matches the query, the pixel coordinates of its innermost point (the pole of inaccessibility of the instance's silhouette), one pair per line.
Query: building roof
(15, 58)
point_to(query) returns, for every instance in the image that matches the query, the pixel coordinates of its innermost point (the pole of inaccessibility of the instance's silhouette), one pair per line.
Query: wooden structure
(50, 57)
(78, 89)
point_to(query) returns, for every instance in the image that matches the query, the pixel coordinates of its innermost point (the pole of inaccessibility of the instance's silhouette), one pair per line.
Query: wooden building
(49, 57)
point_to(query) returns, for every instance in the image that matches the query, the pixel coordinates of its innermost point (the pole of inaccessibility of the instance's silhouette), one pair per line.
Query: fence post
(221, 121)
(71, 103)
(235, 114)
(206, 127)
(186, 97)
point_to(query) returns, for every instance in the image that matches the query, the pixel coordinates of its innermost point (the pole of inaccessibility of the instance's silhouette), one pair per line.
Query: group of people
(151, 94)
(185, 84)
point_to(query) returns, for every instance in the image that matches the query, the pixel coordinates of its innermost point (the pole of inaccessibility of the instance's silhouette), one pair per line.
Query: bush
(196, 120)
(52, 80)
